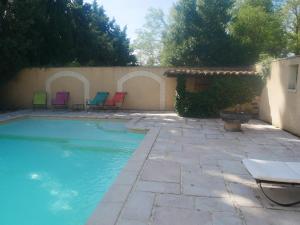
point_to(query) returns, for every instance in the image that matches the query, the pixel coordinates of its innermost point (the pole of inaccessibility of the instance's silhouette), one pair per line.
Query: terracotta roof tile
(211, 72)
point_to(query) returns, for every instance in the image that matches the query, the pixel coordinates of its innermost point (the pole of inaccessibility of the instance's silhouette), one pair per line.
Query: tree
(58, 33)
(267, 5)
(197, 34)
(57, 46)
(17, 36)
(291, 11)
(216, 46)
(148, 44)
(180, 37)
(224, 33)
(258, 28)
(83, 39)
(122, 53)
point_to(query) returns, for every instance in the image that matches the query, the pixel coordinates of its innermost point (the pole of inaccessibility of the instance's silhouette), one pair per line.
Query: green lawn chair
(98, 101)
(39, 99)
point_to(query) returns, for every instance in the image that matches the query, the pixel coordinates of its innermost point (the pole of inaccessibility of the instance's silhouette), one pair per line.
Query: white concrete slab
(287, 172)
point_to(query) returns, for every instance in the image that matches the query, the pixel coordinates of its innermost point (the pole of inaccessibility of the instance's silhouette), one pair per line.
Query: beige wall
(147, 88)
(279, 105)
(140, 93)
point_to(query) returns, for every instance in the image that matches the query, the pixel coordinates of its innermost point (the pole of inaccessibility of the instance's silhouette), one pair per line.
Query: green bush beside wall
(223, 92)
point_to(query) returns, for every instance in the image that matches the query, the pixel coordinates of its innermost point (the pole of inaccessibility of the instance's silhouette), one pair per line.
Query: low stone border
(109, 209)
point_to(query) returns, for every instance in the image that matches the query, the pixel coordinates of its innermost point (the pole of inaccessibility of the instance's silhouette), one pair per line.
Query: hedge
(224, 92)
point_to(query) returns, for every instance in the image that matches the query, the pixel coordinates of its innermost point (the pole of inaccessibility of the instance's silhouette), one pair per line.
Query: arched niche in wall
(156, 78)
(68, 74)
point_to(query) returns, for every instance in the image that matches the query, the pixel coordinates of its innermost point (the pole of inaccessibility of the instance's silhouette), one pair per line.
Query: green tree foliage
(148, 44)
(267, 5)
(197, 34)
(259, 30)
(223, 32)
(58, 33)
(291, 12)
(223, 92)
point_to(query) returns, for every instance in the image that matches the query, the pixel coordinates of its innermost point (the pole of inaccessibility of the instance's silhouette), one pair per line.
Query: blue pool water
(55, 172)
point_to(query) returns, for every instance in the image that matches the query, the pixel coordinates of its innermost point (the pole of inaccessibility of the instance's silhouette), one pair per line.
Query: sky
(132, 12)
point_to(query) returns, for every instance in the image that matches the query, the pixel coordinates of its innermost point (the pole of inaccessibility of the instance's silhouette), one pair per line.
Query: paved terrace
(192, 174)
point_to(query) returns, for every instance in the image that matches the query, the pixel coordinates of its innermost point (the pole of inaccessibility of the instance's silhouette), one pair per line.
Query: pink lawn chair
(116, 101)
(61, 99)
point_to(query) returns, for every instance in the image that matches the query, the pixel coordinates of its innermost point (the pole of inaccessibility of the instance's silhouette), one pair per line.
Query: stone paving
(193, 175)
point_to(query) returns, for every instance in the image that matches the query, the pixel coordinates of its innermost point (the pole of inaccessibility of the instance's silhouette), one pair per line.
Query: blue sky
(132, 12)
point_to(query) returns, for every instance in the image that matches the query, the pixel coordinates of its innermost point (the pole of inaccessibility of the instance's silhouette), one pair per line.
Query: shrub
(224, 92)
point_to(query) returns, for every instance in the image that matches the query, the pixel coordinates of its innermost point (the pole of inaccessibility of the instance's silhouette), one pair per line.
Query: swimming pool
(55, 171)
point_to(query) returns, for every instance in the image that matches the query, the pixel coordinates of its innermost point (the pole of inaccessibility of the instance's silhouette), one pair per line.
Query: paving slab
(131, 222)
(175, 201)
(245, 194)
(214, 204)
(254, 216)
(105, 214)
(161, 171)
(233, 167)
(203, 185)
(158, 187)
(225, 218)
(176, 216)
(138, 207)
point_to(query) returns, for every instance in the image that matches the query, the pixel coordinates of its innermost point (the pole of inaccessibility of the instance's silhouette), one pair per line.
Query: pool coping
(110, 206)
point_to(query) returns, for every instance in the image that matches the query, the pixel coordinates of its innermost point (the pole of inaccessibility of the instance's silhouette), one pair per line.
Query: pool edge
(110, 207)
